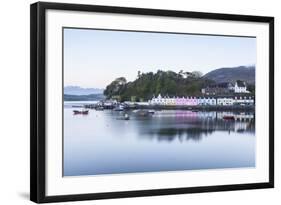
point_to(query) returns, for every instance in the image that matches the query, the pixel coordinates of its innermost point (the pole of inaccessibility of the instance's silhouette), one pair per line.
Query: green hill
(164, 82)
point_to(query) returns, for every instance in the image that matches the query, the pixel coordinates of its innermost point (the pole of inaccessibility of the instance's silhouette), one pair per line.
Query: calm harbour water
(169, 140)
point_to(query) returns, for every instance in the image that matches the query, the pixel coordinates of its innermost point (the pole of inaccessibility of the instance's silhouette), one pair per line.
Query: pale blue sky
(94, 58)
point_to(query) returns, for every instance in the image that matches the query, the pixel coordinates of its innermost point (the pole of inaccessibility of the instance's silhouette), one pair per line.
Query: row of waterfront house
(197, 101)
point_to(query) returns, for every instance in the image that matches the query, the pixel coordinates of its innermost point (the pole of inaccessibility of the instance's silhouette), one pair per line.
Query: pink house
(192, 101)
(180, 101)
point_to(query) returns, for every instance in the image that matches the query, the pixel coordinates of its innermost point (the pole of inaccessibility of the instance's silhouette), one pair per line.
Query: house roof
(241, 83)
(221, 85)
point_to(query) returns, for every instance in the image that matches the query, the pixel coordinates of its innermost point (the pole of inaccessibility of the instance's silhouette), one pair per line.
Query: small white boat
(151, 111)
(119, 108)
(126, 117)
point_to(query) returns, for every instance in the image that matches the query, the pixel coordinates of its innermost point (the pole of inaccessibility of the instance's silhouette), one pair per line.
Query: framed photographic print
(129, 102)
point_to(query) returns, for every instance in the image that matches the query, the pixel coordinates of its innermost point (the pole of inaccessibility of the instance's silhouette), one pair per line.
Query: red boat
(82, 112)
(228, 117)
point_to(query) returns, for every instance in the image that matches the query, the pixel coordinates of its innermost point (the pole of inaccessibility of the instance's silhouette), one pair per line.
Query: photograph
(134, 102)
(148, 101)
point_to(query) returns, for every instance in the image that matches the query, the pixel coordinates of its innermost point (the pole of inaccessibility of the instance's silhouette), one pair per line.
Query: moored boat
(151, 111)
(228, 117)
(100, 108)
(142, 113)
(126, 117)
(77, 106)
(82, 112)
(119, 108)
(123, 117)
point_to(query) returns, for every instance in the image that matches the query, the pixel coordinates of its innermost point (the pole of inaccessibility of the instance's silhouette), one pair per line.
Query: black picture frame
(38, 101)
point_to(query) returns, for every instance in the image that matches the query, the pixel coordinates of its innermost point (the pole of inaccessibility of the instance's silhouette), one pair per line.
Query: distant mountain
(245, 73)
(92, 97)
(76, 90)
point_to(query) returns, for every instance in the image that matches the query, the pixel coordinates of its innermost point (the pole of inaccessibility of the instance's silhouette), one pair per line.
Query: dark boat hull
(228, 118)
(77, 112)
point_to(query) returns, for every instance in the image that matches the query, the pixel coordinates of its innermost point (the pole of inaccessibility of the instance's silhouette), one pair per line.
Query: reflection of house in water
(237, 116)
(207, 115)
(188, 125)
(240, 126)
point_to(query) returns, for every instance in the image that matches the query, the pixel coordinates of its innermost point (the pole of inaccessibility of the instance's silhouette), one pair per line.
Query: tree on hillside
(115, 87)
(196, 74)
(139, 74)
(251, 88)
(162, 82)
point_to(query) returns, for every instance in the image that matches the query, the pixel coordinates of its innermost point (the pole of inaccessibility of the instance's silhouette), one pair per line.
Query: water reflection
(170, 134)
(189, 125)
(102, 143)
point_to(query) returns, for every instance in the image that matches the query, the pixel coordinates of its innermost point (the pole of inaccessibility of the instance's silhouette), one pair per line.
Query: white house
(206, 101)
(243, 100)
(210, 101)
(240, 87)
(225, 101)
(156, 100)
